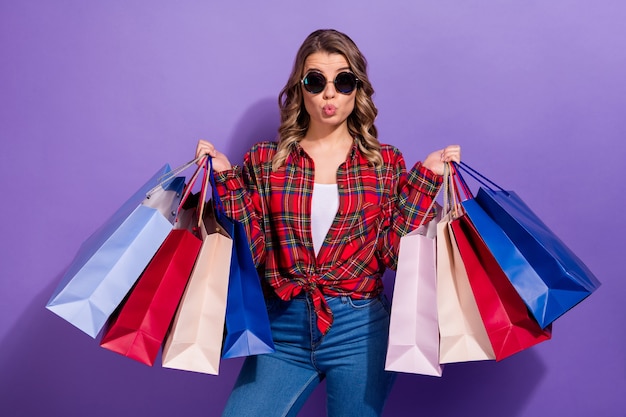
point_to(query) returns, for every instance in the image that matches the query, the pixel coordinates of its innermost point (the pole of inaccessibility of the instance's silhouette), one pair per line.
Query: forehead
(326, 62)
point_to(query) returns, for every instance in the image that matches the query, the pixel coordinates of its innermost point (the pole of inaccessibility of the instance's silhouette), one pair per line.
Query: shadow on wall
(486, 389)
(259, 123)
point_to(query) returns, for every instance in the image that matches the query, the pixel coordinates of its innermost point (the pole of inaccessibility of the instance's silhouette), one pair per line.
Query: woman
(324, 209)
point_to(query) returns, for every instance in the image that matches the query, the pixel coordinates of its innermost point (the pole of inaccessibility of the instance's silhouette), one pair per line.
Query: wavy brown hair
(294, 120)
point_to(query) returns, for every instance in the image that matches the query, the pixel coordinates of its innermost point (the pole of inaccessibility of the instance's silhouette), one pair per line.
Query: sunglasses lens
(314, 82)
(345, 82)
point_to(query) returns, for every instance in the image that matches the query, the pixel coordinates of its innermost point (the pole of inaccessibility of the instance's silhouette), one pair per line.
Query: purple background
(95, 96)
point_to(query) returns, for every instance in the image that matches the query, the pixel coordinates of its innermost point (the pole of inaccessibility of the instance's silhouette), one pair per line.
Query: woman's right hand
(220, 161)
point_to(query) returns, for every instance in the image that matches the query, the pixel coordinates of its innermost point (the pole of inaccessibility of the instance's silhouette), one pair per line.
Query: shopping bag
(248, 329)
(195, 340)
(139, 327)
(509, 324)
(528, 284)
(413, 344)
(109, 262)
(462, 331)
(463, 336)
(559, 280)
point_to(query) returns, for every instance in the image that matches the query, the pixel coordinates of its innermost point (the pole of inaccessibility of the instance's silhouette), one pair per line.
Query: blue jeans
(351, 357)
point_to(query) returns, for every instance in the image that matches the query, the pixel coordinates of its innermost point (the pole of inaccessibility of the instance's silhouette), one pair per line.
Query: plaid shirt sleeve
(410, 196)
(241, 192)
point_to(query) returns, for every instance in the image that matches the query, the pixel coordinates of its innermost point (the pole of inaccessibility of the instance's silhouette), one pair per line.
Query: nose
(329, 90)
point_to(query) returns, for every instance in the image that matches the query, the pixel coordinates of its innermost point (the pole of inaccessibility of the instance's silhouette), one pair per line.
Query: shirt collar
(297, 151)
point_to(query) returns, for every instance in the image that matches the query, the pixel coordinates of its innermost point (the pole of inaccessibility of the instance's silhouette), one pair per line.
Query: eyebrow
(319, 70)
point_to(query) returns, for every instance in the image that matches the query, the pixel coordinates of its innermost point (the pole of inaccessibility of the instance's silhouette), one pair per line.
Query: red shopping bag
(143, 320)
(510, 326)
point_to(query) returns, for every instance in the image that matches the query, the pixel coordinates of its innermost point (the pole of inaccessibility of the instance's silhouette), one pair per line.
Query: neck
(328, 136)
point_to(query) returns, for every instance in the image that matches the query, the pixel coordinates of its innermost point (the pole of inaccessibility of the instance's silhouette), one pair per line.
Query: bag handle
(168, 176)
(451, 193)
(203, 190)
(180, 169)
(217, 201)
(432, 204)
(461, 181)
(446, 192)
(484, 181)
(189, 186)
(209, 180)
(204, 162)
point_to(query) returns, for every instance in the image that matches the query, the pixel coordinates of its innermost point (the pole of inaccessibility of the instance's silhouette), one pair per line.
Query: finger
(202, 144)
(205, 148)
(452, 153)
(200, 152)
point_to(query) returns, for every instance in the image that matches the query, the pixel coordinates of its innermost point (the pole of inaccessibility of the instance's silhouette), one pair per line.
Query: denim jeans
(351, 357)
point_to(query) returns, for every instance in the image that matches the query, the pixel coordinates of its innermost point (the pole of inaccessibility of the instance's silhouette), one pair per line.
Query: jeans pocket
(360, 304)
(381, 302)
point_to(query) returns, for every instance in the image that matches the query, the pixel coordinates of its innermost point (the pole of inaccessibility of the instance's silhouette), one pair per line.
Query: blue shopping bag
(247, 323)
(549, 277)
(110, 261)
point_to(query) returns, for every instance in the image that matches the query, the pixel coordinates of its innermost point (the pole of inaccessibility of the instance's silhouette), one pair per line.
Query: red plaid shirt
(377, 206)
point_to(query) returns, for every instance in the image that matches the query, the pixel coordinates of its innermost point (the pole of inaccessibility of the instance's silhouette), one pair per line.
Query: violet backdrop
(97, 95)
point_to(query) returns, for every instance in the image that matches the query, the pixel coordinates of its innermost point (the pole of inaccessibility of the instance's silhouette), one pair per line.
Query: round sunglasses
(315, 82)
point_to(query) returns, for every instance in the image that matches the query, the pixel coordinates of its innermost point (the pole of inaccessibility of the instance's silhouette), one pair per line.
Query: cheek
(309, 103)
(350, 104)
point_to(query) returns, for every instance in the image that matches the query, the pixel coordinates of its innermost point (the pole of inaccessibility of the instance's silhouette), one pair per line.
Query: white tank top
(324, 206)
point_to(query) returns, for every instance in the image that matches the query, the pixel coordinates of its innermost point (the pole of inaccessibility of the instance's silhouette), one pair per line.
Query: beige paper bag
(195, 339)
(462, 332)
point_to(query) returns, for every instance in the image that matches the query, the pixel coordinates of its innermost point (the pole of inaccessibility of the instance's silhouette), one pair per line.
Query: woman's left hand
(436, 160)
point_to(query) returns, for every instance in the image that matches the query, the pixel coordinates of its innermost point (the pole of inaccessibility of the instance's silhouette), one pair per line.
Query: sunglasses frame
(334, 81)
